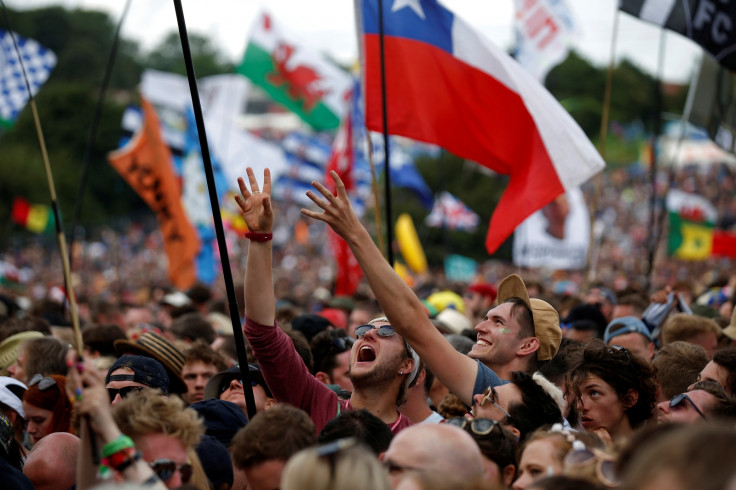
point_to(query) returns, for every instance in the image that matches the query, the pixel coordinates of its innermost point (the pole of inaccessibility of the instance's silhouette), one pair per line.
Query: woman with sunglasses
(544, 451)
(612, 390)
(46, 406)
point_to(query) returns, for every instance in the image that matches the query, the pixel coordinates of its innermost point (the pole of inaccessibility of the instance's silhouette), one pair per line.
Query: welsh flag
(301, 80)
(693, 233)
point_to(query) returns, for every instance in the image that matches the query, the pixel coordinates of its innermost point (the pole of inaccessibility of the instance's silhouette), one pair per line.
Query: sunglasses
(43, 382)
(383, 330)
(618, 348)
(678, 400)
(165, 469)
(490, 396)
(481, 426)
(123, 392)
(605, 465)
(226, 385)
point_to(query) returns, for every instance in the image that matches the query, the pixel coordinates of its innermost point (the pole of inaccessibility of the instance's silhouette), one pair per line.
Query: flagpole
(591, 275)
(387, 172)
(93, 129)
(374, 187)
(224, 259)
(657, 129)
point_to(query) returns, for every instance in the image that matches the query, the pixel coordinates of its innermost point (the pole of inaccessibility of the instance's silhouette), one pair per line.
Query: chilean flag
(447, 85)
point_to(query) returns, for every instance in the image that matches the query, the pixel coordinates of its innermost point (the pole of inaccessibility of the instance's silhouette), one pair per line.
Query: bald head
(53, 462)
(439, 448)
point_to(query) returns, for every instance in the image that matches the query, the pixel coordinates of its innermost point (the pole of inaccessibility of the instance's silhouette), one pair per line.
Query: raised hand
(256, 204)
(338, 212)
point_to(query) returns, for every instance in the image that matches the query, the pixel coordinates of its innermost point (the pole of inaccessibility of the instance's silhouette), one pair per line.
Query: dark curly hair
(620, 369)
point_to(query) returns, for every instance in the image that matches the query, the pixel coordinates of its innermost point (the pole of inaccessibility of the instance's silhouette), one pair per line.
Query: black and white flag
(710, 23)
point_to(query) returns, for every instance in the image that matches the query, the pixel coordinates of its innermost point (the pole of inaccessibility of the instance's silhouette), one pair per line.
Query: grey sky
(329, 26)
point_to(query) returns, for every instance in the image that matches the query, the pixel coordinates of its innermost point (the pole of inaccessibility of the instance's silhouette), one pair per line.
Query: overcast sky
(329, 26)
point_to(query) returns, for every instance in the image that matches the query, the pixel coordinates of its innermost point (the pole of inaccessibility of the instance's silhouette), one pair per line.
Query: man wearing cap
(133, 374)
(155, 346)
(514, 336)
(382, 364)
(631, 333)
(227, 385)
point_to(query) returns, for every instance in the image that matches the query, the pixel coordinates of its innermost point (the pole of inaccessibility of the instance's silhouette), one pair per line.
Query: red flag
(341, 161)
(145, 163)
(447, 85)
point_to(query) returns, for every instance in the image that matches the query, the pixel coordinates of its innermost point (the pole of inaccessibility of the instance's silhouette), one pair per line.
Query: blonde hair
(148, 412)
(355, 467)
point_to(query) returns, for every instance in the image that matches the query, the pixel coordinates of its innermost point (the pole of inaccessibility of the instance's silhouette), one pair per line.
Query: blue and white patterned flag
(38, 62)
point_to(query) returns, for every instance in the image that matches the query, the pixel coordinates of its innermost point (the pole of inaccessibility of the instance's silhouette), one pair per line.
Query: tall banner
(709, 23)
(544, 32)
(293, 75)
(449, 86)
(555, 237)
(145, 164)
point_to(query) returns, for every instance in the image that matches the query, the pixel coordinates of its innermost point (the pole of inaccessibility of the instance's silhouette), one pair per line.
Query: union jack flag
(450, 212)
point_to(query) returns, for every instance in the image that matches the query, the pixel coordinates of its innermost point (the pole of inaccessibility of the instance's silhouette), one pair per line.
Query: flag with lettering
(544, 32)
(710, 23)
(145, 164)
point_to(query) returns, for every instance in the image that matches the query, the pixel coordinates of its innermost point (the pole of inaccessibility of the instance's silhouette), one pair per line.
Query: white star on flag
(412, 4)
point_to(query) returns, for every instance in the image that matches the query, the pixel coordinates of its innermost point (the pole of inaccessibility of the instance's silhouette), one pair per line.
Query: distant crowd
(515, 380)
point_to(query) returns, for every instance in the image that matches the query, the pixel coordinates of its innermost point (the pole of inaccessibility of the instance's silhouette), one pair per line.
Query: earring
(401, 372)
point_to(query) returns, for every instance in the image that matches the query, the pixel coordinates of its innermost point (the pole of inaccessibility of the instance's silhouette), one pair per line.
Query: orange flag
(145, 164)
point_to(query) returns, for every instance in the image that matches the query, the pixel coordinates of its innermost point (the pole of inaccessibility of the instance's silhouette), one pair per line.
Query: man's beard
(380, 375)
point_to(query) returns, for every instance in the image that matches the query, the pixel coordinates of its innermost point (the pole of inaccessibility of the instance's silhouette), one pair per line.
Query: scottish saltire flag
(450, 212)
(447, 85)
(709, 23)
(544, 31)
(38, 63)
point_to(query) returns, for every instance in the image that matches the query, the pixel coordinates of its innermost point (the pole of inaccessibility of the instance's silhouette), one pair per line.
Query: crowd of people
(512, 381)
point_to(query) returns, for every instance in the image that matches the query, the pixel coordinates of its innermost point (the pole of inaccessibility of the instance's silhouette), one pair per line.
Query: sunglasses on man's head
(383, 330)
(123, 392)
(678, 400)
(165, 469)
(43, 382)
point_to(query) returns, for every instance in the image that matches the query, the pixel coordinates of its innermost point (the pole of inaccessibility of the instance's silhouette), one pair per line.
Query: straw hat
(153, 345)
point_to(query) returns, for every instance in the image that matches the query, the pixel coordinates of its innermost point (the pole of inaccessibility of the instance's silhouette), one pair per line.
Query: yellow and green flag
(693, 233)
(37, 218)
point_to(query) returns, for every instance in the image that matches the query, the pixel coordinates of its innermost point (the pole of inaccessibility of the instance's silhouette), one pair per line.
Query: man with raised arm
(515, 336)
(382, 364)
